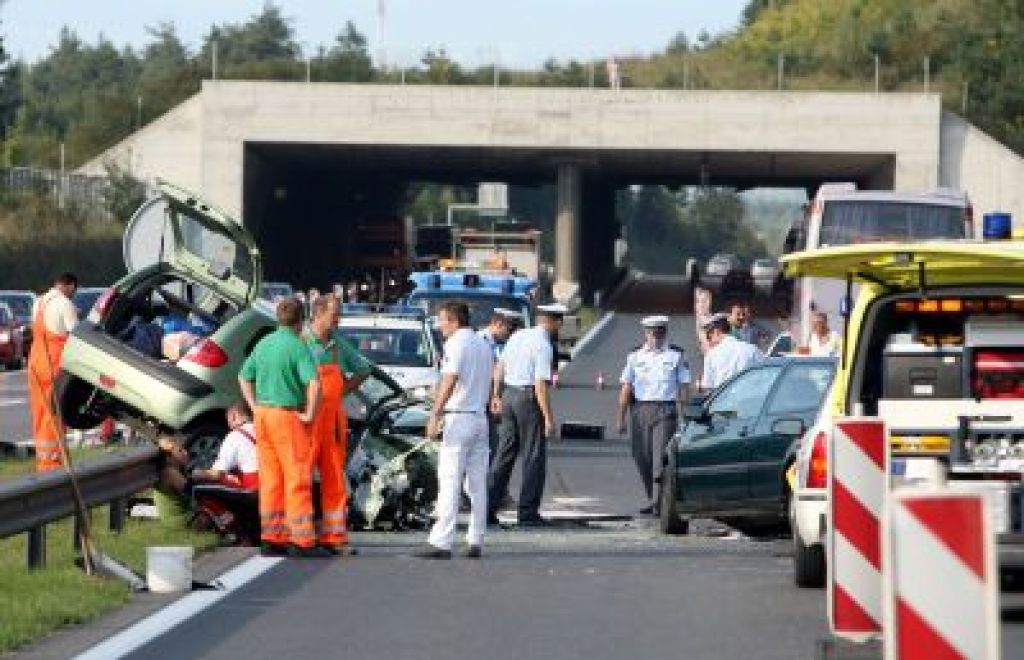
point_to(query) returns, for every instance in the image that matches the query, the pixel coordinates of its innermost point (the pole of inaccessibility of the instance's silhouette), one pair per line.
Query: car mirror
(789, 426)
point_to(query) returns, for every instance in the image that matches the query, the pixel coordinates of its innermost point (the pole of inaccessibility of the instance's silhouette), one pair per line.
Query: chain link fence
(86, 195)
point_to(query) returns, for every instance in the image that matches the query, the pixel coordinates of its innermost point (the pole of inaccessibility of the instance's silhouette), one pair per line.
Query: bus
(842, 215)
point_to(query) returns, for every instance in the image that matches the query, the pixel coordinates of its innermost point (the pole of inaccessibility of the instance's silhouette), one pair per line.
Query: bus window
(851, 222)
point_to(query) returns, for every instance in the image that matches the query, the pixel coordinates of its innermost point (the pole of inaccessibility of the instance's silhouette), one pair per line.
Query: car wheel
(203, 442)
(668, 513)
(73, 396)
(808, 560)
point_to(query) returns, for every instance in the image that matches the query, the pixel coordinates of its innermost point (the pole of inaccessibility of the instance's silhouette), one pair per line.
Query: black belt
(520, 388)
(463, 412)
(656, 403)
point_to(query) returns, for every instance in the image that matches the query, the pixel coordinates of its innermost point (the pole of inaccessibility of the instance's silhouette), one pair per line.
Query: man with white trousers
(459, 419)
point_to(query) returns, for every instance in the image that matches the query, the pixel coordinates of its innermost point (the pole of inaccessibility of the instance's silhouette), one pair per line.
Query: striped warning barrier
(941, 592)
(857, 490)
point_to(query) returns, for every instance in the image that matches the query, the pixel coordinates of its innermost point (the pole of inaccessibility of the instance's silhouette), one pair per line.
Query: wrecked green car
(392, 468)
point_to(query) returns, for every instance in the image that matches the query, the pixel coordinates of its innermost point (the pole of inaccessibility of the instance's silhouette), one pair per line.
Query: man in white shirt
(237, 462)
(520, 395)
(459, 418)
(53, 318)
(822, 340)
(728, 356)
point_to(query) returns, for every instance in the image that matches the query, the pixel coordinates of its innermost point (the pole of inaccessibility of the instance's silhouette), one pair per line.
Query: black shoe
(647, 510)
(273, 550)
(473, 552)
(341, 550)
(532, 521)
(316, 552)
(430, 552)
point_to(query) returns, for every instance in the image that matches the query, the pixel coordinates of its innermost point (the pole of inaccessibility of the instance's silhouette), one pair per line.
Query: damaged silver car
(392, 468)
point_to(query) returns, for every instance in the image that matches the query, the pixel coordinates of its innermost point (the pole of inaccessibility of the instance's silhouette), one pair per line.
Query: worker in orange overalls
(53, 318)
(279, 382)
(335, 358)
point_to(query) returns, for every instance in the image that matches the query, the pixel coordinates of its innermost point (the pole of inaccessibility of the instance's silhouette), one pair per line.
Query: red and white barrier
(941, 595)
(858, 486)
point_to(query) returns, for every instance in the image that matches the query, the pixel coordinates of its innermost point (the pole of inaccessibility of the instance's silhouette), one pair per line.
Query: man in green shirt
(279, 382)
(341, 369)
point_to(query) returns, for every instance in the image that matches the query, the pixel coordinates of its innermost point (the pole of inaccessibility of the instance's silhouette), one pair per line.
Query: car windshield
(855, 222)
(272, 291)
(20, 304)
(481, 306)
(398, 347)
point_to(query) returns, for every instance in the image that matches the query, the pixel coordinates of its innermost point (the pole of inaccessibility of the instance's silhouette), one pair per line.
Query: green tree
(348, 59)
(262, 48)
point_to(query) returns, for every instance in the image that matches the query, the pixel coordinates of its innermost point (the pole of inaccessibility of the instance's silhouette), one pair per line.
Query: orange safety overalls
(43, 366)
(330, 447)
(285, 447)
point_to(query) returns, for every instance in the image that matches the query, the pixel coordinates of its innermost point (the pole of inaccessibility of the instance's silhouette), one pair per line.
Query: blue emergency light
(465, 282)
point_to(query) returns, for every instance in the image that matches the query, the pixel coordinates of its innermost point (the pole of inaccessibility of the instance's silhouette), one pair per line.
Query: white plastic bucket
(169, 568)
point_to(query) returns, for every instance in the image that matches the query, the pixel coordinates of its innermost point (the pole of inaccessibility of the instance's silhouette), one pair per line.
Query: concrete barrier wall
(992, 174)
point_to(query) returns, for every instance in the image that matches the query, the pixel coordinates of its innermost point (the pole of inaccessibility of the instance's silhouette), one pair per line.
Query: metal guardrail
(28, 504)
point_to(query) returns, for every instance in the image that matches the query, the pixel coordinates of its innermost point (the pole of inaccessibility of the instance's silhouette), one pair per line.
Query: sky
(516, 33)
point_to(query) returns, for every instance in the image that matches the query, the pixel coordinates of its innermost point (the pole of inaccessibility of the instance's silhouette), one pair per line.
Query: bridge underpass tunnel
(323, 214)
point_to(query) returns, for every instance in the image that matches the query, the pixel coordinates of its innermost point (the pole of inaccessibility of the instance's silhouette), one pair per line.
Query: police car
(483, 292)
(399, 340)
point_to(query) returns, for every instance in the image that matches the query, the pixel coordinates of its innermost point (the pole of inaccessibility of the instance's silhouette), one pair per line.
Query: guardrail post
(37, 547)
(117, 514)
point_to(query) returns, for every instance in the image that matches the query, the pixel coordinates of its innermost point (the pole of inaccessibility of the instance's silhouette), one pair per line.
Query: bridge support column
(568, 217)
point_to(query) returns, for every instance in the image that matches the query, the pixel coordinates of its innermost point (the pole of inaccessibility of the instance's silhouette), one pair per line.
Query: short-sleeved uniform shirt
(527, 357)
(350, 360)
(730, 357)
(280, 367)
(496, 346)
(656, 374)
(238, 452)
(468, 357)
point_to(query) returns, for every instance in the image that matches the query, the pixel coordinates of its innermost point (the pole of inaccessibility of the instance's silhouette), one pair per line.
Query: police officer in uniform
(654, 381)
(503, 323)
(520, 394)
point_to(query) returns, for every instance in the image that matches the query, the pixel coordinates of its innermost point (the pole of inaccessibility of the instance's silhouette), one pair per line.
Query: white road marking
(590, 334)
(7, 403)
(135, 637)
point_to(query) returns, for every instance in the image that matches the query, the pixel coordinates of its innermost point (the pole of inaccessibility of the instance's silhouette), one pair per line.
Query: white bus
(842, 215)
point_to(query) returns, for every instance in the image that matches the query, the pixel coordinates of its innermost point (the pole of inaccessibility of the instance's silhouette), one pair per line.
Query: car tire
(203, 441)
(72, 395)
(668, 513)
(808, 560)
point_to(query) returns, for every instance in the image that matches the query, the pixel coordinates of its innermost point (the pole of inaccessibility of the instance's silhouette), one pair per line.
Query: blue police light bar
(371, 309)
(465, 282)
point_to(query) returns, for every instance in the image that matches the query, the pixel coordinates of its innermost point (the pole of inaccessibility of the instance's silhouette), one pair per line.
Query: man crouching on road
(459, 418)
(279, 382)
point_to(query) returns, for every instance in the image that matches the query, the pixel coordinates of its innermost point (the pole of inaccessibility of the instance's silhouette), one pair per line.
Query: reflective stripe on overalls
(43, 366)
(330, 431)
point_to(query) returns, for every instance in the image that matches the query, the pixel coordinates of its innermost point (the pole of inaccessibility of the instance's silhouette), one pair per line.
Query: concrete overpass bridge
(297, 161)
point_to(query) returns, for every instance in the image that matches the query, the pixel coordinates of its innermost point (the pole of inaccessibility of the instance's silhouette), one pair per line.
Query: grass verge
(33, 603)
(17, 467)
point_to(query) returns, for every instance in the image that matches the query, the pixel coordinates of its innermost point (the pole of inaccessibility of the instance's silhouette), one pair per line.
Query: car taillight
(817, 470)
(103, 305)
(207, 354)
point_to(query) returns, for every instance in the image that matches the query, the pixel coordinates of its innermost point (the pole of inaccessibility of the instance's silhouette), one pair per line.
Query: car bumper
(809, 516)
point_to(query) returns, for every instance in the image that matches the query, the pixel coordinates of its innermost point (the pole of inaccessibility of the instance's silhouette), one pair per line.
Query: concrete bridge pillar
(568, 210)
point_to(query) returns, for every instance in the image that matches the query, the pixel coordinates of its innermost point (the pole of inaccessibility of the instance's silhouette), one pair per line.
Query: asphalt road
(14, 413)
(600, 584)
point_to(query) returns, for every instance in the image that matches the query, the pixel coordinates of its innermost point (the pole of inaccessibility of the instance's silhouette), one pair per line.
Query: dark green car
(729, 459)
